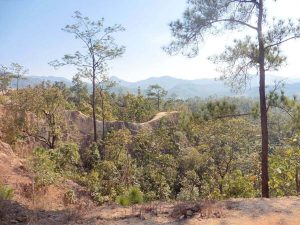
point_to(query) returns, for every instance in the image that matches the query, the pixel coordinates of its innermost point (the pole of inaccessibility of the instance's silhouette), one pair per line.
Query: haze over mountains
(181, 88)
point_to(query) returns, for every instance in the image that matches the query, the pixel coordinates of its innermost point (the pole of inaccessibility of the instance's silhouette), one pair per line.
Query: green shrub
(188, 194)
(239, 186)
(135, 196)
(150, 196)
(132, 197)
(43, 167)
(123, 200)
(283, 167)
(100, 199)
(6, 192)
(153, 180)
(91, 156)
(66, 157)
(189, 190)
(94, 183)
(70, 197)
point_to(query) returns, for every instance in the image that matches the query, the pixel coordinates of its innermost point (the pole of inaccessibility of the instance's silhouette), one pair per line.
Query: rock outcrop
(84, 124)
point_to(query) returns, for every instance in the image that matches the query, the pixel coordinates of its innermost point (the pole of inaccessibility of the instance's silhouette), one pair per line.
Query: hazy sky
(31, 35)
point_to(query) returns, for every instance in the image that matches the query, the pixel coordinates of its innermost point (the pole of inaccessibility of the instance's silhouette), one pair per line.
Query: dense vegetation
(210, 151)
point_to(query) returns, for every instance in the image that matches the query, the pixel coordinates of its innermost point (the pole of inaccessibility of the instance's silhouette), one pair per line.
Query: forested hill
(179, 88)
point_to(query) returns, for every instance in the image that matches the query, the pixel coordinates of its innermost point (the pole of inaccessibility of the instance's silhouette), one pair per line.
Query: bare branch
(235, 21)
(233, 115)
(281, 42)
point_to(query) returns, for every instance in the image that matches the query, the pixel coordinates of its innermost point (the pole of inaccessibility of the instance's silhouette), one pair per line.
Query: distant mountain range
(204, 87)
(179, 87)
(34, 80)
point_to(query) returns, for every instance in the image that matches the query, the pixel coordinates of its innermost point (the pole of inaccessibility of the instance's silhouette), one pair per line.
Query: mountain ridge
(178, 87)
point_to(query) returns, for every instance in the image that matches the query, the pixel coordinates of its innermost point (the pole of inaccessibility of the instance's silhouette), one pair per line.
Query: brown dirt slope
(29, 201)
(13, 172)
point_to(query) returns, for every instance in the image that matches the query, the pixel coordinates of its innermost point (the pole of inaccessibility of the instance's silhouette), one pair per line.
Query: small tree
(134, 108)
(18, 72)
(262, 53)
(103, 88)
(100, 48)
(51, 110)
(156, 92)
(5, 78)
(39, 113)
(79, 94)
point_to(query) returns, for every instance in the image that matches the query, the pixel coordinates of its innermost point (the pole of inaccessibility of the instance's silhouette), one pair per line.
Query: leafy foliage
(157, 93)
(134, 108)
(133, 196)
(66, 157)
(283, 169)
(6, 192)
(100, 48)
(43, 168)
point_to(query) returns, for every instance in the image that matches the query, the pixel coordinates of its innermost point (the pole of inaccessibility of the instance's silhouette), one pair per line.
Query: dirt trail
(158, 116)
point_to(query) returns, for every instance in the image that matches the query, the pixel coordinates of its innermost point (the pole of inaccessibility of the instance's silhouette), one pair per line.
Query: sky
(30, 34)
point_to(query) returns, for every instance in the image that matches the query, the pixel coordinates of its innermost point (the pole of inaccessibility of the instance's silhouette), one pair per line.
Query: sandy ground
(280, 211)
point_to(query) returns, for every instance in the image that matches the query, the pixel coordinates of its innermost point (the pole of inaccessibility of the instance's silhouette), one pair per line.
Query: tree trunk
(102, 147)
(94, 106)
(263, 108)
(221, 188)
(52, 142)
(297, 181)
(17, 84)
(103, 116)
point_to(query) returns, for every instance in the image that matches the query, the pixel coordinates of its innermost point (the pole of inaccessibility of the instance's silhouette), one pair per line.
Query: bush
(132, 197)
(91, 156)
(239, 186)
(150, 196)
(189, 190)
(282, 168)
(135, 196)
(43, 168)
(188, 194)
(154, 181)
(70, 197)
(6, 192)
(66, 157)
(123, 200)
(94, 183)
